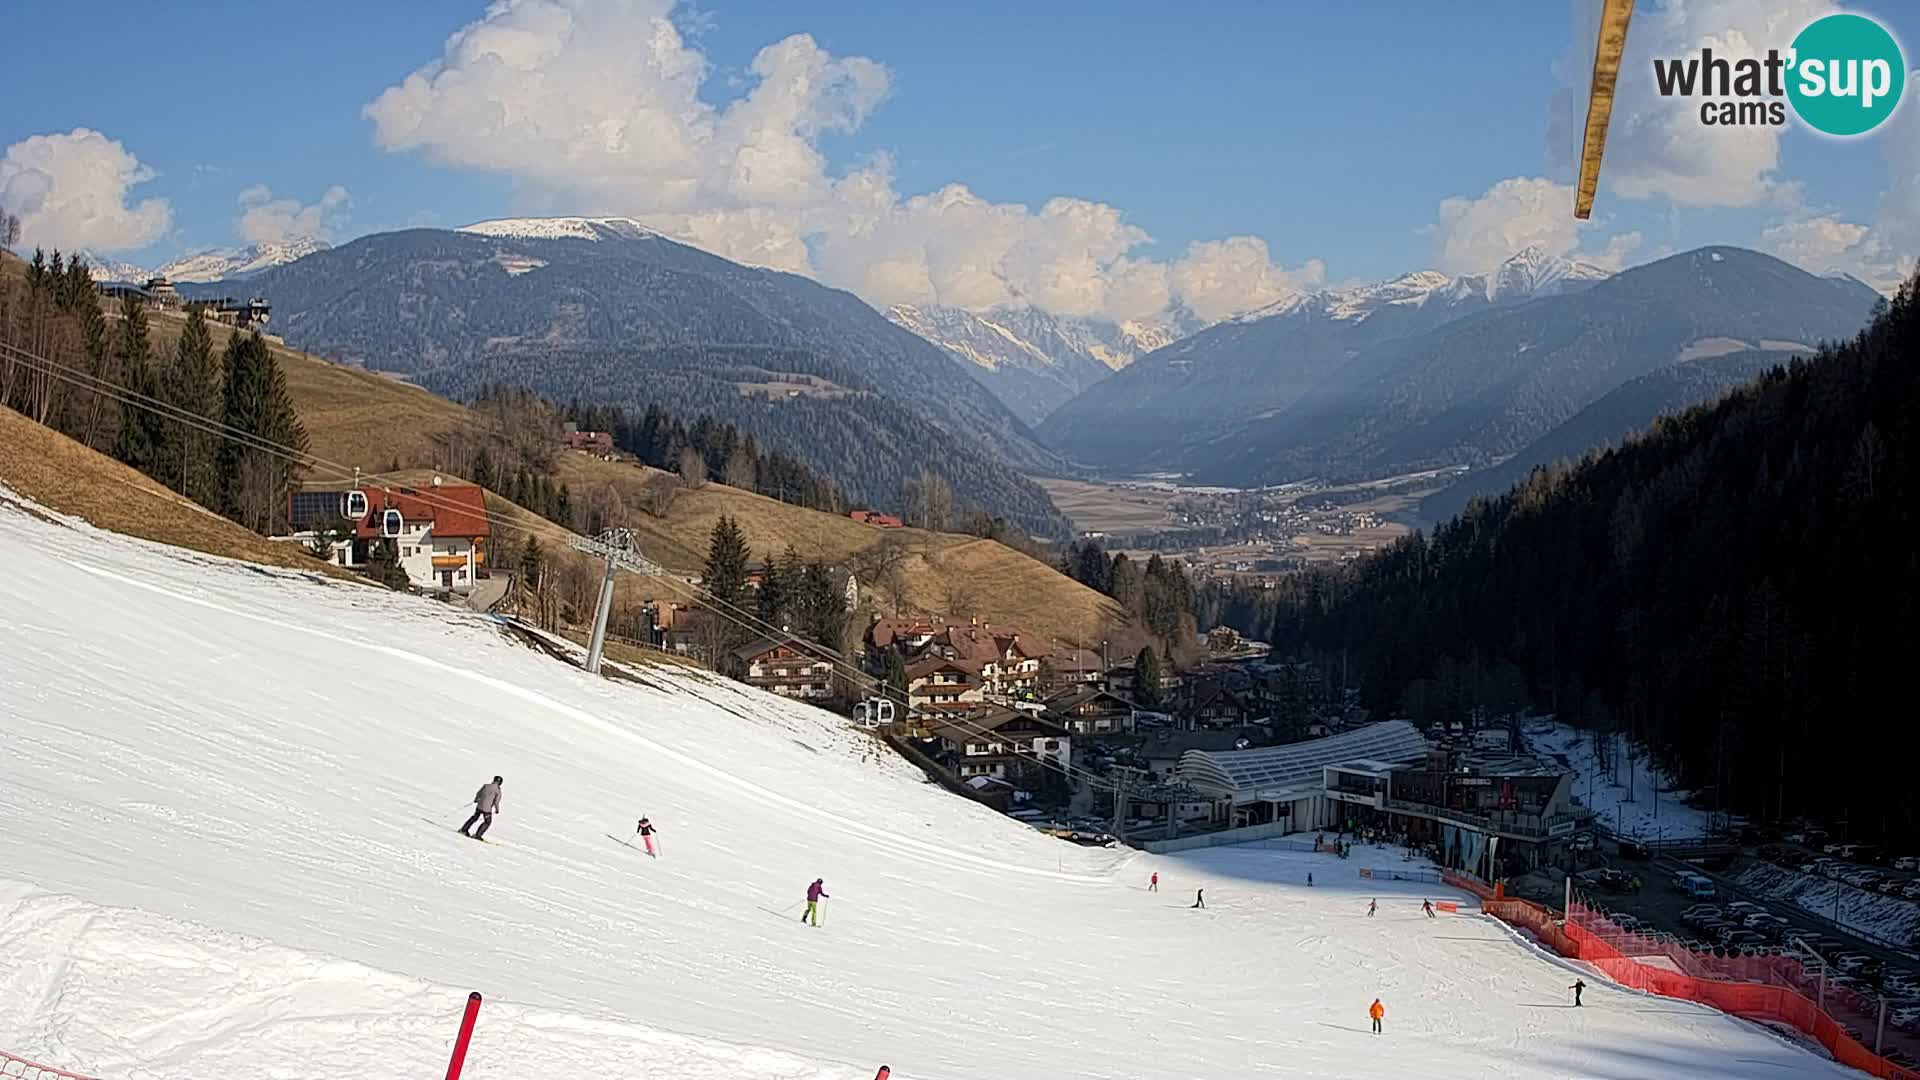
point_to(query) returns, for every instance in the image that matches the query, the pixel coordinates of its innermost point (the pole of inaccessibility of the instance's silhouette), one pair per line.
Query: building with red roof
(439, 533)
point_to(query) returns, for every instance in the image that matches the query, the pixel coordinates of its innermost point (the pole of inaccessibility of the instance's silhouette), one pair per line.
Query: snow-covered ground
(1888, 919)
(227, 801)
(1672, 819)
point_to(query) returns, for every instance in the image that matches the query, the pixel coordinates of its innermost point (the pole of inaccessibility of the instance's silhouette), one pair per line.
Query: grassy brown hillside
(58, 473)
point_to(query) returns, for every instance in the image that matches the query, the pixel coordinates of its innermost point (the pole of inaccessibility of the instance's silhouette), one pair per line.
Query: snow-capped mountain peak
(219, 264)
(104, 269)
(1532, 272)
(561, 228)
(1031, 359)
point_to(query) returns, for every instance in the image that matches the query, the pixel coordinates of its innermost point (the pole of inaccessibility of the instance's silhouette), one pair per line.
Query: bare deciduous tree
(692, 468)
(657, 497)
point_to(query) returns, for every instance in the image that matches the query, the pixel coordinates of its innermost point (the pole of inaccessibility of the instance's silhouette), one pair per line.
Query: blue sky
(1331, 134)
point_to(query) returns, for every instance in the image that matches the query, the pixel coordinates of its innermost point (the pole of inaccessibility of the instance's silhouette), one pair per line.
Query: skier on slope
(1372, 906)
(1153, 883)
(645, 831)
(1378, 1012)
(1200, 898)
(816, 892)
(1309, 881)
(1577, 987)
(1427, 906)
(486, 803)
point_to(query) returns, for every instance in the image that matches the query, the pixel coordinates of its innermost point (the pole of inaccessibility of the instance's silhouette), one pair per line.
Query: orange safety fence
(1773, 989)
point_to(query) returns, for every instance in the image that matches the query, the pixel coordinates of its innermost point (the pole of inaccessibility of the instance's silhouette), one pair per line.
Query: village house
(1008, 660)
(790, 667)
(439, 535)
(941, 684)
(1003, 743)
(1089, 710)
(875, 518)
(1214, 707)
(597, 443)
(1073, 667)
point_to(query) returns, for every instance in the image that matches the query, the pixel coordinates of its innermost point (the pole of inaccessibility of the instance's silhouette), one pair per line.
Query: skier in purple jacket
(816, 892)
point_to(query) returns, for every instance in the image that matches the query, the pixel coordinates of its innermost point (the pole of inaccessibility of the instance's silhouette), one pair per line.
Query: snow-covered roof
(1278, 771)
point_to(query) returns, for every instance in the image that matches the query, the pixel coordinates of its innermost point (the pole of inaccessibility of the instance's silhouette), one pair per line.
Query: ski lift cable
(135, 399)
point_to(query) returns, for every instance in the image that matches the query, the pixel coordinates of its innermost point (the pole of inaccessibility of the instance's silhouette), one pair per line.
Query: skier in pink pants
(646, 835)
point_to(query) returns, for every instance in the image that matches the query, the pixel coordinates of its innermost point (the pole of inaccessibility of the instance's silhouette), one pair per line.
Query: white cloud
(1657, 147)
(71, 191)
(1619, 247)
(1475, 235)
(265, 219)
(594, 107)
(1882, 254)
(1220, 278)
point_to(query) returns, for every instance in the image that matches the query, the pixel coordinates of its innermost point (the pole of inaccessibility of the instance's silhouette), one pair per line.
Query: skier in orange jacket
(1378, 1012)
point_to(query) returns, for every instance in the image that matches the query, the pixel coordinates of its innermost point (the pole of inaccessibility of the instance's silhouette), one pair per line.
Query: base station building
(1486, 810)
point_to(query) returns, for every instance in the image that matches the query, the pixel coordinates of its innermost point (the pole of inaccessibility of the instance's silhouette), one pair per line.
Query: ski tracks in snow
(902, 846)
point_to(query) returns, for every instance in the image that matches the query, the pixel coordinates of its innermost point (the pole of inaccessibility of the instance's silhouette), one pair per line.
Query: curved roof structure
(1294, 770)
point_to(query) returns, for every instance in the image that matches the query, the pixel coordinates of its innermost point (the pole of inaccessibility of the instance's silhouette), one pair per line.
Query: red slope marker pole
(466, 1034)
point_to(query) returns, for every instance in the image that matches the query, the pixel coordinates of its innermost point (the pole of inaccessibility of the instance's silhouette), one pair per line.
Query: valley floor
(227, 807)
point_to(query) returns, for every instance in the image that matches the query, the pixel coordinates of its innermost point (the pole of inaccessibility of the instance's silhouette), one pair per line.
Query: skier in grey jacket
(486, 803)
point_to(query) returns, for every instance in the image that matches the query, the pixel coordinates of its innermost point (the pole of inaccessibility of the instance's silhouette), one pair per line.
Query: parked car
(1907, 1019)
(1910, 890)
(1890, 886)
(1853, 963)
(1796, 836)
(1906, 862)
(1699, 911)
(1582, 842)
(1742, 939)
(1743, 908)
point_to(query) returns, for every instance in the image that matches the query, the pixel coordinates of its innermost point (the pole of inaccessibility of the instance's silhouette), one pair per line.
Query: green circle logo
(1847, 75)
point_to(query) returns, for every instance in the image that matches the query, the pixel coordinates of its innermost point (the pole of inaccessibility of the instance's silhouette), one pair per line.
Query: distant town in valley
(1247, 536)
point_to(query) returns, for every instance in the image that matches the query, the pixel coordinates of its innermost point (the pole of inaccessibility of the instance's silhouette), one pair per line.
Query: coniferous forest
(1739, 589)
(92, 373)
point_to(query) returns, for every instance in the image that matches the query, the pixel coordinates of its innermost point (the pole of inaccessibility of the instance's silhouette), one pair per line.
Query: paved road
(489, 591)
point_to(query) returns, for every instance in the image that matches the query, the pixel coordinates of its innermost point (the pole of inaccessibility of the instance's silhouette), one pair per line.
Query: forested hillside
(1625, 410)
(870, 445)
(1739, 588)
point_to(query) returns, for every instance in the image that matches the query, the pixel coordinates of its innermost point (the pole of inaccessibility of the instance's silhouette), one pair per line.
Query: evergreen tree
(771, 604)
(895, 675)
(255, 482)
(483, 469)
(1146, 679)
(143, 441)
(726, 572)
(822, 608)
(194, 385)
(383, 565)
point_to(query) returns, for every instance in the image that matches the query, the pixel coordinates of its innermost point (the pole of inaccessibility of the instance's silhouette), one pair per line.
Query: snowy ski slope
(227, 802)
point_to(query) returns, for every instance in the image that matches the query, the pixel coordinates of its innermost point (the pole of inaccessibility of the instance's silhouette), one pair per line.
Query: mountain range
(1262, 362)
(1427, 371)
(212, 264)
(603, 310)
(1033, 361)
